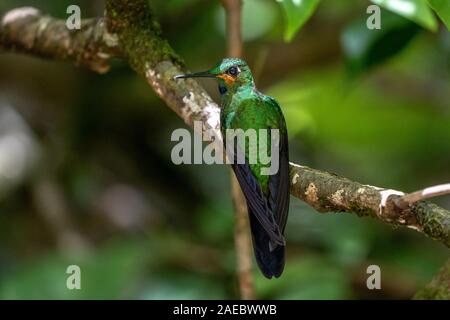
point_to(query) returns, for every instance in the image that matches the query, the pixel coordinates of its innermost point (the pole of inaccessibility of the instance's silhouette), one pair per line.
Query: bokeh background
(86, 176)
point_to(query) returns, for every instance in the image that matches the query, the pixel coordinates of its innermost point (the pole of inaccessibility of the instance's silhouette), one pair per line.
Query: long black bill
(204, 74)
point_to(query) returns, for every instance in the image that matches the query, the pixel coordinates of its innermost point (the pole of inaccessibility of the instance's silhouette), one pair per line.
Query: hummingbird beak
(204, 74)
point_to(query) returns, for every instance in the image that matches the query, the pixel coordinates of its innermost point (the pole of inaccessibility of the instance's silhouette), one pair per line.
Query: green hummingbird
(267, 195)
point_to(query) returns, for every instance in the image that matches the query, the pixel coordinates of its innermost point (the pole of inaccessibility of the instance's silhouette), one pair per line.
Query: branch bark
(140, 42)
(26, 30)
(327, 192)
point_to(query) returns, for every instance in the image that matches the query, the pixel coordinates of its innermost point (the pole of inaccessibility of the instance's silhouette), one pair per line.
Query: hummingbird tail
(270, 257)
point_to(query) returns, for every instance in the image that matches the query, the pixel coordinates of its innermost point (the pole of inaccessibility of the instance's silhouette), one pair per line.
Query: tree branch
(131, 22)
(25, 30)
(328, 192)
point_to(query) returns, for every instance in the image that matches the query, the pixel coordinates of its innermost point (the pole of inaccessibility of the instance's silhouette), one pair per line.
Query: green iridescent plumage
(248, 109)
(244, 107)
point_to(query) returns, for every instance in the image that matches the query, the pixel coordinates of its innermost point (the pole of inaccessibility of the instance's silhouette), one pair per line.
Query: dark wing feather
(279, 184)
(271, 210)
(256, 201)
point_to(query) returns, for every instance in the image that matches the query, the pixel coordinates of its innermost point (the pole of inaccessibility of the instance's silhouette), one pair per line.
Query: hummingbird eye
(233, 71)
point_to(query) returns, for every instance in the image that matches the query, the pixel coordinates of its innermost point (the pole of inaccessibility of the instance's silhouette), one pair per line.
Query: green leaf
(442, 8)
(296, 12)
(415, 10)
(365, 49)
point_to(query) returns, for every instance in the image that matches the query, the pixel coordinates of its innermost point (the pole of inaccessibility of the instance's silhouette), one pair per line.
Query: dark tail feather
(271, 263)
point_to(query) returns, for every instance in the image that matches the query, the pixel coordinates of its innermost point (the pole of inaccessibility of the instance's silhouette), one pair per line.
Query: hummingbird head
(232, 73)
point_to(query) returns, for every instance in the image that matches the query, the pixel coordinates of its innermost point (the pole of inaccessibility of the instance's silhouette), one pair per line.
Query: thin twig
(242, 235)
(242, 239)
(427, 193)
(233, 9)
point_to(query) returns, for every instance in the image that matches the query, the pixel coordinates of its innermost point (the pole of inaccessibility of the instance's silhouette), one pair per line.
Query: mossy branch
(139, 41)
(327, 192)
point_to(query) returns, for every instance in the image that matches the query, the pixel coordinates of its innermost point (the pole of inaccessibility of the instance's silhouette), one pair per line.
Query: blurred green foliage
(365, 49)
(372, 105)
(416, 10)
(442, 8)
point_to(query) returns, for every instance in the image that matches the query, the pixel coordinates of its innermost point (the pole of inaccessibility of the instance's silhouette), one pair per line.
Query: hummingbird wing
(279, 183)
(269, 206)
(258, 204)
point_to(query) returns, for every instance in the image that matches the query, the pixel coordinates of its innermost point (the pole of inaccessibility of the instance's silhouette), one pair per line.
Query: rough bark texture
(151, 56)
(327, 192)
(25, 30)
(132, 33)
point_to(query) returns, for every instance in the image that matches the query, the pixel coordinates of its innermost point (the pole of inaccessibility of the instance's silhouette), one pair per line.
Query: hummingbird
(267, 195)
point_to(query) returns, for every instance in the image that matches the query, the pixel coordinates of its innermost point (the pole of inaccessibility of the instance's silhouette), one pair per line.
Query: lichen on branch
(327, 192)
